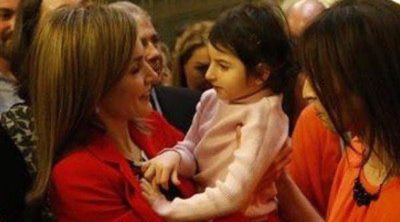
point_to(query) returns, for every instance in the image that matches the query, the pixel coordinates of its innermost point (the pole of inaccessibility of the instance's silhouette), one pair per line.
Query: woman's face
(196, 68)
(352, 113)
(130, 97)
(311, 97)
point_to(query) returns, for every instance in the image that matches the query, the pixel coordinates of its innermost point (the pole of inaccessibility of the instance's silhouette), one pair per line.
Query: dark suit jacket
(17, 179)
(178, 105)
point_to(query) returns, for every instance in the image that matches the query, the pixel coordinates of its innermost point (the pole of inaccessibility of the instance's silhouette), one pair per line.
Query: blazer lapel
(105, 149)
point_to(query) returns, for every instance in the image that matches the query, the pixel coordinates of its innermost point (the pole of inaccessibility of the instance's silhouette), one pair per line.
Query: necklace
(361, 196)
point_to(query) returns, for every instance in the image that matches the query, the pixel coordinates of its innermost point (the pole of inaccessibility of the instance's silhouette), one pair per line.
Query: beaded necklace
(363, 197)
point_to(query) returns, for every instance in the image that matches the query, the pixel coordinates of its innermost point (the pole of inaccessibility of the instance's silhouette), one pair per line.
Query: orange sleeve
(304, 167)
(316, 153)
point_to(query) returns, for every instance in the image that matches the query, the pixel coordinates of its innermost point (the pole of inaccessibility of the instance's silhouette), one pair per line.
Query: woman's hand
(155, 198)
(162, 168)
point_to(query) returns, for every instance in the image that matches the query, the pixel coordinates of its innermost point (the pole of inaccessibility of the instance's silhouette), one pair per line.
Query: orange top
(343, 208)
(316, 154)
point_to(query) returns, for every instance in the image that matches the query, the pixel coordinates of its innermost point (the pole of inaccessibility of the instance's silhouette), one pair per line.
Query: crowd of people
(263, 114)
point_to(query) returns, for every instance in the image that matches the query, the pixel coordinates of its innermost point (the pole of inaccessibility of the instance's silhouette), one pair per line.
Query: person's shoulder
(80, 163)
(11, 156)
(309, 114)
(74, 160)
(268, 108)
(210, 94)
(208, 101)
(309, 121)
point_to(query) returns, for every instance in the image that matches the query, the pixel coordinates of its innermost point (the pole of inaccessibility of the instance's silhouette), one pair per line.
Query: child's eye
(223, 67)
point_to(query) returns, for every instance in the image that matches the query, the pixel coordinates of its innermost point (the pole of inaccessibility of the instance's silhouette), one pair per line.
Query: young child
(239, 126)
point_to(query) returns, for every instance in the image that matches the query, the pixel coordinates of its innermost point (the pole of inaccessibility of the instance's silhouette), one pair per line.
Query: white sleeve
(258, 147)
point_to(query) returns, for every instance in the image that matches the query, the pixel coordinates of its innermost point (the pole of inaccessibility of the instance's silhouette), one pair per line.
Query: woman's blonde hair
(193, 37)
(77, 56)
(131, 9)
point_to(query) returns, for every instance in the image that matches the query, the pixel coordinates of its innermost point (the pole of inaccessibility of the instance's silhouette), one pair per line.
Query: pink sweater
(229, 174)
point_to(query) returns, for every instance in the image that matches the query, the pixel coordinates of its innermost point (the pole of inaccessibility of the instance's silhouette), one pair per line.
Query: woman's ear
(263, 73)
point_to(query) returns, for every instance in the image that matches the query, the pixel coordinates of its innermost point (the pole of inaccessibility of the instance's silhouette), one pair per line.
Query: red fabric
(316, 154)
(96, 183)
(239, 217)
(163, 135)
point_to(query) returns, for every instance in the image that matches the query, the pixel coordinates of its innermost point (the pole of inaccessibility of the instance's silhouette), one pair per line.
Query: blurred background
(170, 16)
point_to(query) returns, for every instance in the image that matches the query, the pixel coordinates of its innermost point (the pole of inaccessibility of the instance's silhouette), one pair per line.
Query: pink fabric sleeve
(259, 145)
(188, 163)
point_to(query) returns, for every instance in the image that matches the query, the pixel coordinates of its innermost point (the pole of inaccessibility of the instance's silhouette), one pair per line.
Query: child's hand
(155, 198)
(161, 168)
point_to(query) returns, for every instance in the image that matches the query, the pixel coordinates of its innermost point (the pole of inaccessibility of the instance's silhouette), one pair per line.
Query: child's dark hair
(256, 34)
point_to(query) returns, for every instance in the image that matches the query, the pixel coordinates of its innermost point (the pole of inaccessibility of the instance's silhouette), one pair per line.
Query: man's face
(151, 43)
(301, 14)
(7, 19)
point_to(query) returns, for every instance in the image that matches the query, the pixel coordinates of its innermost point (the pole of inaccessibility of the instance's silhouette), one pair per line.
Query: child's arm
(180, 159)
(257, 150)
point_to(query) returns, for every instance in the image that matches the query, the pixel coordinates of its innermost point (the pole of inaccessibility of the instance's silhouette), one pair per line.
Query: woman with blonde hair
(191, 59)
(17, 141)
(90, 98)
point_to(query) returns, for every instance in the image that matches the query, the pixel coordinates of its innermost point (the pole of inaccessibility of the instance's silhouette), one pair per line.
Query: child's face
(227, 75)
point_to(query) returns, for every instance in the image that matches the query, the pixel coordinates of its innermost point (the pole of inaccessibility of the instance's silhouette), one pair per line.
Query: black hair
(353, 51)
(257, 34)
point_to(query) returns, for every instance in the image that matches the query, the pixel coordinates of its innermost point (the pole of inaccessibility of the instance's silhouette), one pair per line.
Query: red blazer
(96, 183)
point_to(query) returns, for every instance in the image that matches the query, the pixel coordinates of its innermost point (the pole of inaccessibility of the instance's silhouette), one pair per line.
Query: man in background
(177, 105)
(299, 15)
(8, 95)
